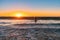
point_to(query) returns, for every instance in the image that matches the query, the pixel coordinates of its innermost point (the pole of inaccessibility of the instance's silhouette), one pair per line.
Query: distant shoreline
(32, 18)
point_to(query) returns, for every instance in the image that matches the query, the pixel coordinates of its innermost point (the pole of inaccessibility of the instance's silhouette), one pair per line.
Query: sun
(18, 14)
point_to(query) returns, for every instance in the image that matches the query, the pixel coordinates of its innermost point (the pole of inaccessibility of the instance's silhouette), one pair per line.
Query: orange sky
(34, 13)
(30, 7)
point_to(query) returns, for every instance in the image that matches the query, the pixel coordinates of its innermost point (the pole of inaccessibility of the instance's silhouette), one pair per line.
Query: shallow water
(9, 31)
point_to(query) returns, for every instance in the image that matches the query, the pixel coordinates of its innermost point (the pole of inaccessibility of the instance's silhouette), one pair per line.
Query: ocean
(11, 29)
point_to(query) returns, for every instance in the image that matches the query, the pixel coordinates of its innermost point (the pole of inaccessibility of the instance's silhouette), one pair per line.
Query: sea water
(29, 30)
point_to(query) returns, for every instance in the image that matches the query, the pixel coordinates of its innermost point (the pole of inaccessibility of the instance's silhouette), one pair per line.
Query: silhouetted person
(35, 19)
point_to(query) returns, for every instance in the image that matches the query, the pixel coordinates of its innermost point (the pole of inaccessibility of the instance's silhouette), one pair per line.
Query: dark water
(31, 32)
(8, 33)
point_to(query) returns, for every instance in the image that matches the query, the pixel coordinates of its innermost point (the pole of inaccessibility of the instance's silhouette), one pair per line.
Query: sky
(30, 7)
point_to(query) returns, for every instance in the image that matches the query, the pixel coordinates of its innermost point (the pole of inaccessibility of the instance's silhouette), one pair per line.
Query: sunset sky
(30, 7)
